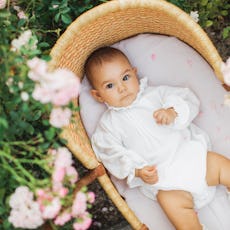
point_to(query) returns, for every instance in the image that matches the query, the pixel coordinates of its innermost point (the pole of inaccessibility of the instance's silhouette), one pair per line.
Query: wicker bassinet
(109, 23)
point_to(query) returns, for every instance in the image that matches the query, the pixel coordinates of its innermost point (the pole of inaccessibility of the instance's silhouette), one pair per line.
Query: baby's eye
(125, 78)
(109, 86)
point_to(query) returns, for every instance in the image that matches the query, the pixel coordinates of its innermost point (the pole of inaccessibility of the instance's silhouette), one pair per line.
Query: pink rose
(56, 186)
(44, 196)
(40, 192)
(63, 218)
(79, 204)
(25, 212)
(2, 4)
(61, 98)
(23, 39)
(38, 68)
(84, 222)
(60, 117)
(63, 158)
(58, 174)
(21, 15)
(91, 197)
(42, 94)
(71, 172)
(63, 192)
(52, 209)
(63, 84)
(20, 197)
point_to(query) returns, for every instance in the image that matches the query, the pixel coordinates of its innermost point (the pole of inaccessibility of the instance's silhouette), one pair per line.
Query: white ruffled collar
(142, 86)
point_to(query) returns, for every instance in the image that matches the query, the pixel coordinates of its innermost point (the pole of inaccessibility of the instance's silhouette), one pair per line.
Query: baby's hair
(98, 57)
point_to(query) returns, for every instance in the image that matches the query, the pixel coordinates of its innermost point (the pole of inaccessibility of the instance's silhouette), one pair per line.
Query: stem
(57, 31)
(22, 143)
(43, 183)
(32, 182)
(19, 179)
(35, 161)
(18, 164)
(53, 226)
(25, 172)
(40, 163)
(26, 145)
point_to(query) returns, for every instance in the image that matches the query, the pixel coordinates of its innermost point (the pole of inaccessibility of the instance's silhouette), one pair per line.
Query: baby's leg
(218, 170)
(178, 206)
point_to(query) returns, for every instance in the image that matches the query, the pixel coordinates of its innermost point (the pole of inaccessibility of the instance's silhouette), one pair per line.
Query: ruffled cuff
(134, 181)
(181, 108)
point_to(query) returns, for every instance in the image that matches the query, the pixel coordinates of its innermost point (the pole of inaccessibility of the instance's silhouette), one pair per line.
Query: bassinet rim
(113, 6)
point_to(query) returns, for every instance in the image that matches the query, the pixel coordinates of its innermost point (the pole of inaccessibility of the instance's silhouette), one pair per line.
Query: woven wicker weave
(109, 23)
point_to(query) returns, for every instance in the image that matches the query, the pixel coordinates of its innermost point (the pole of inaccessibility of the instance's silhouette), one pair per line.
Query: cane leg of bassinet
(90, 177)
(120, 203)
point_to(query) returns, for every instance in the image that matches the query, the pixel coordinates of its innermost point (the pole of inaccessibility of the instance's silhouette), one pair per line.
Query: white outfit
(128, 138)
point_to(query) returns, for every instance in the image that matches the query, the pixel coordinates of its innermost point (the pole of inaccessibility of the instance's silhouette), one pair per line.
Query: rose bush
(38, 174)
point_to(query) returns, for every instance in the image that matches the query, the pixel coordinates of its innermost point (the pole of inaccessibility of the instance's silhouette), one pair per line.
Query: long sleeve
(119, 161)
(184, 102)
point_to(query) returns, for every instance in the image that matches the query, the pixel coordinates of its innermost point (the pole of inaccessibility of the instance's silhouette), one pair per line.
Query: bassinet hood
(119, 19)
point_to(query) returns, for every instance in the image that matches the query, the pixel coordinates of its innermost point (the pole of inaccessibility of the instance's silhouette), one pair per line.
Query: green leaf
(45, 146)
(208, 23)
(45, 122)
(66, 18)
(14, 116)
(50, 133)
(209, 6)
(25, 108)
(224, 12)
(2, 194)
(2, 210)
(7, 224)
(204, 2)
(3, 123)
(21, 22)
(57, 16)
(30, 129)
(4, 14)
(36, 115)
(43, 45)
(46, 57)
(226, 32)
(65, 10)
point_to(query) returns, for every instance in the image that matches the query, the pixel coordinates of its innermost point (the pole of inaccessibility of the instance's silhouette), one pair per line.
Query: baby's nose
(122, 88)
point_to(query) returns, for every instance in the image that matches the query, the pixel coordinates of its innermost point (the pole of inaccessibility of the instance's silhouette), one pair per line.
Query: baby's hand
(165, 116)
(148, 174)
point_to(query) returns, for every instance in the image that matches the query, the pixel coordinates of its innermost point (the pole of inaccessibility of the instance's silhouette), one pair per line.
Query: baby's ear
(96, 95)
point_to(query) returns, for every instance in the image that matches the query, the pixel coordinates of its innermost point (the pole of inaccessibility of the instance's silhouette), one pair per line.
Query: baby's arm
(165, 116)
(148, 174)
(182, 100)
(120, 161)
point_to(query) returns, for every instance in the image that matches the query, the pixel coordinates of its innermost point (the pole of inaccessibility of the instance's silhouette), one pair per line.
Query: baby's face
(115, 83)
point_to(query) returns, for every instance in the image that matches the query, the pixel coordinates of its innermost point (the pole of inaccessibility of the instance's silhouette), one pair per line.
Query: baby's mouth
(126, 96)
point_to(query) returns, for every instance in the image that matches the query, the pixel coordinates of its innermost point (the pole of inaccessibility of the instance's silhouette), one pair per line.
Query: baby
(147, 137)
